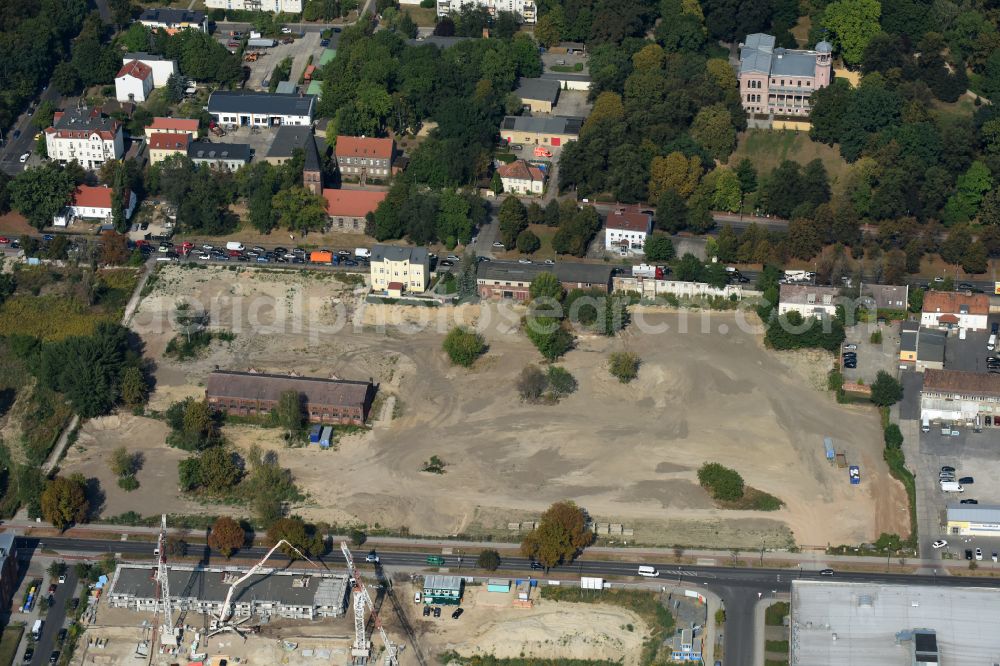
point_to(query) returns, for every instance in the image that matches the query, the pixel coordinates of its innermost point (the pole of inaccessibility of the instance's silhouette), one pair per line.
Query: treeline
(34, 36)
(427, 216)
(199, 56)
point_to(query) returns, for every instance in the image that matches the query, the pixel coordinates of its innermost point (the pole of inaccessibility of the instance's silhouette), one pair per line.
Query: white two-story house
(85, 135)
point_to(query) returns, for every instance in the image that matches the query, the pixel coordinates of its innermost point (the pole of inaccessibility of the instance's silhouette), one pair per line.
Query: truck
(648, 271)
(36, 629)
(855, 473)
(254, 34)
(321, 257)
(797, 276)
(831, 453)
(952, 487)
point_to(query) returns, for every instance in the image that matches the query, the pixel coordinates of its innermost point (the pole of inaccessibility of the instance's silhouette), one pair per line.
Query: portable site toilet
(324, 439)
(314, 433)
(830, 452)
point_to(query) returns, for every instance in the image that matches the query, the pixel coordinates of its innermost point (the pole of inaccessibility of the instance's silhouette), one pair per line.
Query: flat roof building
(298, 594)
(540, 131)
(908, 332)
(930, 349)
(257, 393)
(848, 624)
(808, 300)
(445, 590)
(974, 519)
(258, 109)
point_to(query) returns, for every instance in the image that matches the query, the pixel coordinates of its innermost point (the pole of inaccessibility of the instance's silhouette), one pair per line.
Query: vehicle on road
(435, 560)
(372, 557)
(498, 244)
(4, 240)
(549, 262)
(826, 572)
(457, 613)
(994, 557)
(940, 543)
(648, 572)
(17, 133)
(536, 565)
(24, 158)
(524, 261)
(286, 31)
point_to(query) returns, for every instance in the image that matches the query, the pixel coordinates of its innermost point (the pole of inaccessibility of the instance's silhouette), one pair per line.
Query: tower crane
(224, 618)
(362, 647)
(168, 635)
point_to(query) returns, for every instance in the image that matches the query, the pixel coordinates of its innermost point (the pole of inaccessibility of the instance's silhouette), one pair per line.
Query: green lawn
(422, 17)
(775, 613)
(769, 148)
(776, 646)
(8, 643)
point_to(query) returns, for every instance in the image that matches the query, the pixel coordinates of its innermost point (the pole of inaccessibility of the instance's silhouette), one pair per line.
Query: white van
(961, 334)
(648, 572)
(991, 344)
(235, 245)
(952, 487)
(925, 426)
(362, 252)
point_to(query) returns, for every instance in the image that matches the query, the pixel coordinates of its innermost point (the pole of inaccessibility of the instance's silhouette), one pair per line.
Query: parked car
(416, 597)
(280, 250)
(940, 543)
(452, 257)
(446, 263)
(324, 43)
(969, 501)
(62, 579)
(17, 133)
(208, 247)
(349, 262)
(24, 157)
(54, 657)
(966, 480)
(343, 253)
(968, 554)
(549, 262)
(286, 31)
(965, 286)
(29, 654)
(979, 554)
(995, 328)
(4, 240)
(437, 611)
(52, 588)
(497, 244)
(427, 610)
(457, 613)
(61, 636)
(850, 347)
(524, 261)
(947, 468)
(536, 565)
(994, 556)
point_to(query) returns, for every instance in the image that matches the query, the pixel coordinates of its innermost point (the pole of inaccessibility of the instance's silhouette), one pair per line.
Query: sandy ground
(707, 391)
(491, 625)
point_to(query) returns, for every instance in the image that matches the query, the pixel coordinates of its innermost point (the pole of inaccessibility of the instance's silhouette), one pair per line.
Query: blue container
(314, 433)
(828, 444)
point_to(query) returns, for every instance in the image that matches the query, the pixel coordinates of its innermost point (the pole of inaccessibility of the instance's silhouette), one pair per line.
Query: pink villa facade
(779, 82)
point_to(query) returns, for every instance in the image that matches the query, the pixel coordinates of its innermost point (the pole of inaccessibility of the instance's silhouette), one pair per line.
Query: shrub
(128, 483)
(463, 346)
(358, 538)
(435, 466)
(624, 366)
(531, 383)
(893, 436)
(886, 389)
(560, 381)
(721, 482)
(876, 338)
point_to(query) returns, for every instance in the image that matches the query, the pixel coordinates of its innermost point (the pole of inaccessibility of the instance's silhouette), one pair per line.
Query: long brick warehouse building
(256, 394)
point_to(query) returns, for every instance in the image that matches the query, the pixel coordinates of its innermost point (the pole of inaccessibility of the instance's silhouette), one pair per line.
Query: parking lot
(299, 50)
(572, 103)
(550, 60)
(258, 138)
(872, 357)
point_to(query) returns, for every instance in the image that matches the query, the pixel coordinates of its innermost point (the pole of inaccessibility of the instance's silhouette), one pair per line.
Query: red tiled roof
(956, 381)
(396, 286)
(177, 124)
(948, 319)
(351, 203)
(629, 218)
(165, 141)
(359, 146)
(86, 196)
(955, 302)
(520, 170)
(135, 68)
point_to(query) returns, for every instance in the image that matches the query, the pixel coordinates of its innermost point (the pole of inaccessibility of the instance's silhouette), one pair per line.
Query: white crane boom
(226, 609)
(360, 590)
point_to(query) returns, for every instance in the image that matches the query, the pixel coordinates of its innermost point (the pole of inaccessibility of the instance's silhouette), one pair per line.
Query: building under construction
(305, 595)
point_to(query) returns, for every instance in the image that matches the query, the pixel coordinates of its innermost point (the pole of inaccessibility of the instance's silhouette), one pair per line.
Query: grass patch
(422, 16)
(754, 500)
(578, 67)
(776, 662)
(775, 614)
(187, 347)
(8, 643)
(49, 318)
(776, 646)
(48, 415)
(769, 148)
(645, 604)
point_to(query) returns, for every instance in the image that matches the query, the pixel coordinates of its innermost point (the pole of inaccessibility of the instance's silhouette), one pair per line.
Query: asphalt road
(738, 587)
(54, 619)
(14, 148)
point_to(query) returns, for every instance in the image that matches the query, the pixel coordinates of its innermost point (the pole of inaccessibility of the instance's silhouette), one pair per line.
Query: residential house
(363, 158)
(952, 309)
(540, 131)
(163, 145)
(85, 135)
(257, 393)
(161, 125)
(525, 9)
(512, 280)
(259, 109)
(93, 203)
(780, 82)
(223, 156)
(568, 80)
(961, 398)
(808, 300)
(538, 95)
(347, 208)
(134, 82)
(400, 268)
(162, 67)
(173, 20)
(521, 177)
(627, 228)
(276, 6)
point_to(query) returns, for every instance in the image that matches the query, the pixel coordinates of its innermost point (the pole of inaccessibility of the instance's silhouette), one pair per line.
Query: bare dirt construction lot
(627, 453)
(491, 625)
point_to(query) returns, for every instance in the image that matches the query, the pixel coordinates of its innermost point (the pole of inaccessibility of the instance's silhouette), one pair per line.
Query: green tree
(659, 248)
(513, 220)
(624, 366)
(727, 195)
(193, 425)
(226, 536)
(612, 315)
(671, 212)
(300, 210)
(64, 501)
(893, 436)
(723, 483)
(531, 383)
(852, 24)
(560, 381)
(65, 78)
(488, 559)
(296, 533)
(549, 336)
(689, 268)
(174, 90)
(123, 463)
(546, 285)
(40, 193)
(560, 537)
(528, 242)
(189, 473)
(463, 346)
(713, 129)
(886, 389)
(290, 412)
(548, 30)
(975, 258)
(969, 190)
(746, 173)
(218, 471)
